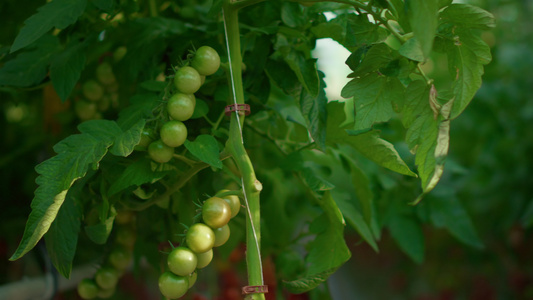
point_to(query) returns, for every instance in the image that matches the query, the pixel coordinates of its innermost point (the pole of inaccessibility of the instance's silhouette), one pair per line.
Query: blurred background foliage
(488, 171)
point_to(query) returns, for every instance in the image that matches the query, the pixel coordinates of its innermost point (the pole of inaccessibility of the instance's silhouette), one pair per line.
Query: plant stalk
(234, 145)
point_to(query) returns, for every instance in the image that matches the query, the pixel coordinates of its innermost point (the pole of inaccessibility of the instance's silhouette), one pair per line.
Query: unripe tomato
(104, 74)
(233, 201)
(221, 235)
(181, 106)
(182, 261)
(206, 60)
(200, 238)
(106, 277)
(124, 217)
(173, 133)
(187, 80)
(204, 259)
(119, 53)
(126, 236)
(85, 110)
(192, 279)
(92, 90)
(216, 212)
(88, 289)
(147, 137)
(120, 257)
(173, 286)
(160, 152)
(106, 293)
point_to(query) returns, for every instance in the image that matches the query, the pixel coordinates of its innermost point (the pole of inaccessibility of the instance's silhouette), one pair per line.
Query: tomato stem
(251, 186)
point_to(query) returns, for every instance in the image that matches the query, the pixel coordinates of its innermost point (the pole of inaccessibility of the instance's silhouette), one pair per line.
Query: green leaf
(448, 212)
(412, 50)
(65, 69)
(369, 60)
(57, 13)
(315, 113)
(364, 194)
(409, 236)
(373, 97)
(308, 283)
(354, 217)
(428, 132)
(105, 5)
(75, 156)
(154, 85)
(369, 144)
(99, 233)
(467, 16)
(31, 67)
(328, 251)
(205, 148)
(292, 14)
(466, 57)
(62, 237)
(315, 182)
(422, 16)
(200, 109)
(136, 174)
(125, 141)
(140, 107)
(305, 70)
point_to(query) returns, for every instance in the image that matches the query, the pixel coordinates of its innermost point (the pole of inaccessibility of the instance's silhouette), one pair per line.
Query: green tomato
(124, 217)
(106, 293)
(173, 286)
(204, 259)
(147, 137)
(126, 236)
(92, 90)
(182, 261)
(181, 106)
(119, 53)
(173, 133)
(88, 289)
(206, 60)
(160, 152)
(120, 257)
(106, 277)
(104, 74)
(216, 212)
(85, 110)
(233, 201)
(192, 279)
(187, 80)
(200, 238)
(221, 235)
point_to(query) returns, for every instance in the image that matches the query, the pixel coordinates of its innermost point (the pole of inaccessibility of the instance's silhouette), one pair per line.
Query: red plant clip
(255, 289)
(237, 107)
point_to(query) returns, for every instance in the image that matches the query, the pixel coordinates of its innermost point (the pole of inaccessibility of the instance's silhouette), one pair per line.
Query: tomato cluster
(100, 93)
(105, 280)
(184, 261)
(171, 133)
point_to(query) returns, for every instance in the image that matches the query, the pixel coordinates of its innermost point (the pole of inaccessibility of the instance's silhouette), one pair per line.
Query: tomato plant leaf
(373, 96)
(153, 85)
(308, 283)
(412, 50)
(409, 236)
(65, 69)
(315, 113)
(354, 217)
(29, 68)
(205, 148)
(305, 70)
(62, 237)
(99, 233)
(467, 16)
(76, 154)
(200, 109)
(446, 211)
(328, 250)
(292, 14)
(466, 57)
(367, 60)
(369, 144)
(57, 13)
(422, 16)
(136, 174)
